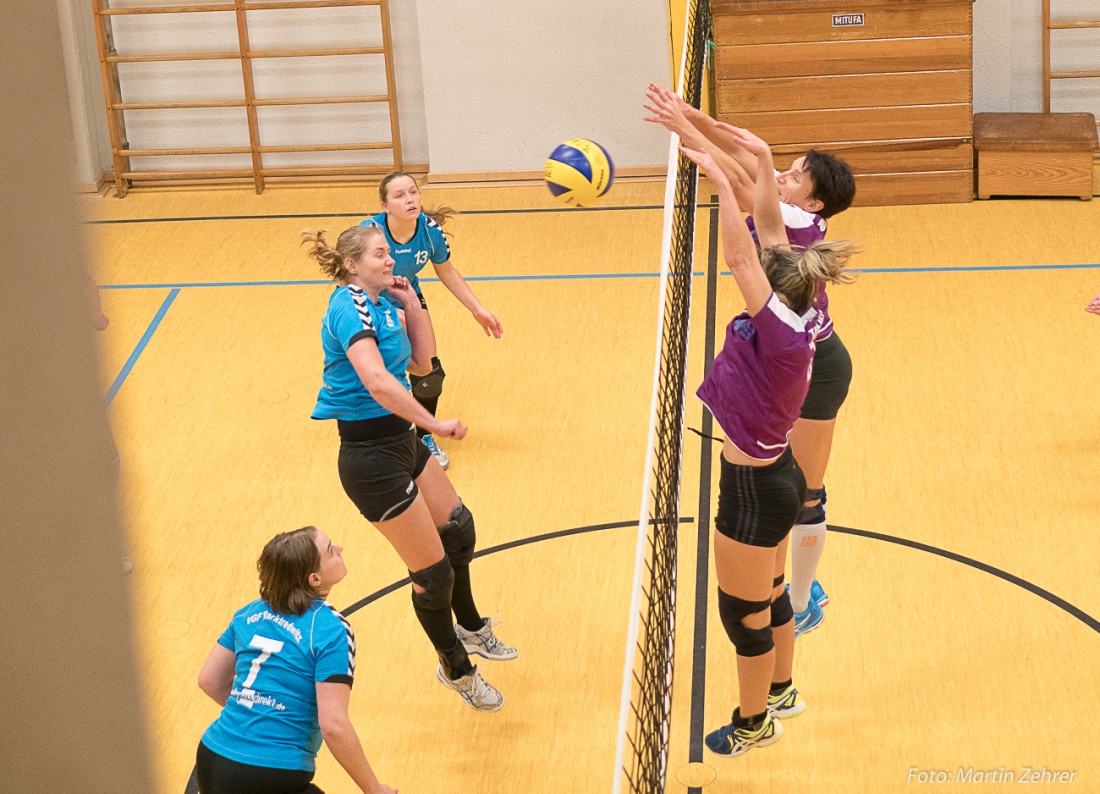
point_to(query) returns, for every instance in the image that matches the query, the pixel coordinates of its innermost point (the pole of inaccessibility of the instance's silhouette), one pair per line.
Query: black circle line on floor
(1046, 595)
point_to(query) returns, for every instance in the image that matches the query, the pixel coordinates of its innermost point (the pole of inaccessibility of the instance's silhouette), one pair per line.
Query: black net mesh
(651, 703)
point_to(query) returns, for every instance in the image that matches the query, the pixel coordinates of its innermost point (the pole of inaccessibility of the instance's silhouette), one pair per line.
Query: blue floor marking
(134, 356)
(578, 276)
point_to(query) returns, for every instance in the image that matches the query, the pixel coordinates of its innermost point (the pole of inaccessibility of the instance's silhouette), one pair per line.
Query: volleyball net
(641, 757)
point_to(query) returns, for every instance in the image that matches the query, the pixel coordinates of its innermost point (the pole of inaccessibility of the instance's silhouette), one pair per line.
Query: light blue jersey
(352, 316)
(427, 244)
(270, 719)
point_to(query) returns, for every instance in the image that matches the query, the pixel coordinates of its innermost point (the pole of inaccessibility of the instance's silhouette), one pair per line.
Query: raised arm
(670, 111)
(417, 326)
(767, 216)
(738, 248)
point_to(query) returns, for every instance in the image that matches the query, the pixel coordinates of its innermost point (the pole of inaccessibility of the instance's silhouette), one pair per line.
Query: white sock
(807, 545)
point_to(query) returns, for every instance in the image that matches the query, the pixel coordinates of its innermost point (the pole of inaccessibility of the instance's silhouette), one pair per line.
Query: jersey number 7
(268, 647)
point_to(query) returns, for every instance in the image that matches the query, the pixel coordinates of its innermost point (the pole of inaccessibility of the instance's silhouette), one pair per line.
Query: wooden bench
(1035, 154)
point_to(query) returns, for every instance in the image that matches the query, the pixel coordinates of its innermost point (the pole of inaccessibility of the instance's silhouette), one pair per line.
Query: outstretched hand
(706, 162)
(1094, 305)
(748, 140)
(667, 109)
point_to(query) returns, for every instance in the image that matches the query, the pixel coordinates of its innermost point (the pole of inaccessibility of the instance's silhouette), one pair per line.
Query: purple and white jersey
(804, 229)
(756, 385)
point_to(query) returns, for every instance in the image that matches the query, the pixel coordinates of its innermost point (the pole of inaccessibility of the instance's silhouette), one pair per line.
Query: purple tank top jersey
(803, 229)
(756, 385)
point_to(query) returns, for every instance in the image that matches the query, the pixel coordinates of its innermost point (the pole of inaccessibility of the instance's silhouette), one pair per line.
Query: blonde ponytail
(795, 274)
(350, 245)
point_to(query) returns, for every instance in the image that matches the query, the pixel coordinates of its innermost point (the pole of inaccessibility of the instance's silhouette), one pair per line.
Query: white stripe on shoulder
(359, 298)
(796, 217)
(788, 317)
(351, 637)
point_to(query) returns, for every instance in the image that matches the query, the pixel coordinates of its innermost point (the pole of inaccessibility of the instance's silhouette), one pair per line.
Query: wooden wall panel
(895, 156)
(843, 57)
(814, 22)
(892, 95)
(866, 124)
(848, 91)
(936, 187)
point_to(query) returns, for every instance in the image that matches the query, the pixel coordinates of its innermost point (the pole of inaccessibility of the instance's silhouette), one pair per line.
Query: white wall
(502, 89)
(492, 88)
(89, 119)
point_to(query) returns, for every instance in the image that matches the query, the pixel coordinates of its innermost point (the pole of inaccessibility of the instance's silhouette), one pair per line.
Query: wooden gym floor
(962, 633)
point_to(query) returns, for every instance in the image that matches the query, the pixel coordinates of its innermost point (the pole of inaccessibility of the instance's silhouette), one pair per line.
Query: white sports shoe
(485, 643)
(437, 453)
(475, 690)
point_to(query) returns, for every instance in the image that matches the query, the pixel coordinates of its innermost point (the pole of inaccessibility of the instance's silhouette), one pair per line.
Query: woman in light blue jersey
(416, 238)
(373, 332)
(283, 672)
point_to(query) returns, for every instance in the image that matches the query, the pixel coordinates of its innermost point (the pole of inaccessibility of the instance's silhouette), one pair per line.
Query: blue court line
(134, 356)
(964, 269)
(580, 276)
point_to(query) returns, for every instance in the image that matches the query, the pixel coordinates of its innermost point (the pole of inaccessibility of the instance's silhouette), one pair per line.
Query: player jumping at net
(416, 237)
(282, 673)
(374, 330)
(755, 388)
(816, 187)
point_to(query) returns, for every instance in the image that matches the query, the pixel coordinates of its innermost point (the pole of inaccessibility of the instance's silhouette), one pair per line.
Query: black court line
(702, 549)
(1046, 595)
(309, 215)
(512, 544)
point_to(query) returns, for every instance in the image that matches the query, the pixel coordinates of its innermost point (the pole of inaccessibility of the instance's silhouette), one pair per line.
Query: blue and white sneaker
(809, 620)
(731, 742)
(476, 692)
(485, 643)
(818, 594)
(437, 453)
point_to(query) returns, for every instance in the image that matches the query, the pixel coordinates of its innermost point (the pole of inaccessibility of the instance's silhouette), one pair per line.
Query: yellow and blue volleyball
(579, 172)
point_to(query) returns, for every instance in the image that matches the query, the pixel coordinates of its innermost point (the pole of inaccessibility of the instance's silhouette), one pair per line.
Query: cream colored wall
(575, 69)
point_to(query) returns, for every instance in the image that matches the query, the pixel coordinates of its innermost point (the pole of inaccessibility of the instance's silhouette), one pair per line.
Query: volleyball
(579, 172)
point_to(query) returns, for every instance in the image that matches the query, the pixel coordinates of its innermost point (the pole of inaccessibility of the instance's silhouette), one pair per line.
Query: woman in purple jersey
(816, 187)
(755, 389)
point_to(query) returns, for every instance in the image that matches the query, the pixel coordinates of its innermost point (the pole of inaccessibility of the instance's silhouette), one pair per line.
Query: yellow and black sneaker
(786, 704)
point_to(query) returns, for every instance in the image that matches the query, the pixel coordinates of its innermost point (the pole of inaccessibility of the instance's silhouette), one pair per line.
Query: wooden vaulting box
(884, 84)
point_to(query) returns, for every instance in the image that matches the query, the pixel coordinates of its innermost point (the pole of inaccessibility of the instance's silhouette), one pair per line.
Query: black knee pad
(437, 581)
(458, 536)
(782, 611)
(778, 580)
(814, 514)
(748, 642)
(426, 387)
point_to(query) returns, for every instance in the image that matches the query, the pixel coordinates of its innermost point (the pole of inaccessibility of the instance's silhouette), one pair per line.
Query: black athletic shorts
(829, 380)
(758, 505)
(423, 303)
(216, 774)
(379, 462)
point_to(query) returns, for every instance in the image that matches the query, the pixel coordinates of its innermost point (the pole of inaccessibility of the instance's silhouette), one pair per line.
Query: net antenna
(646, 709)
